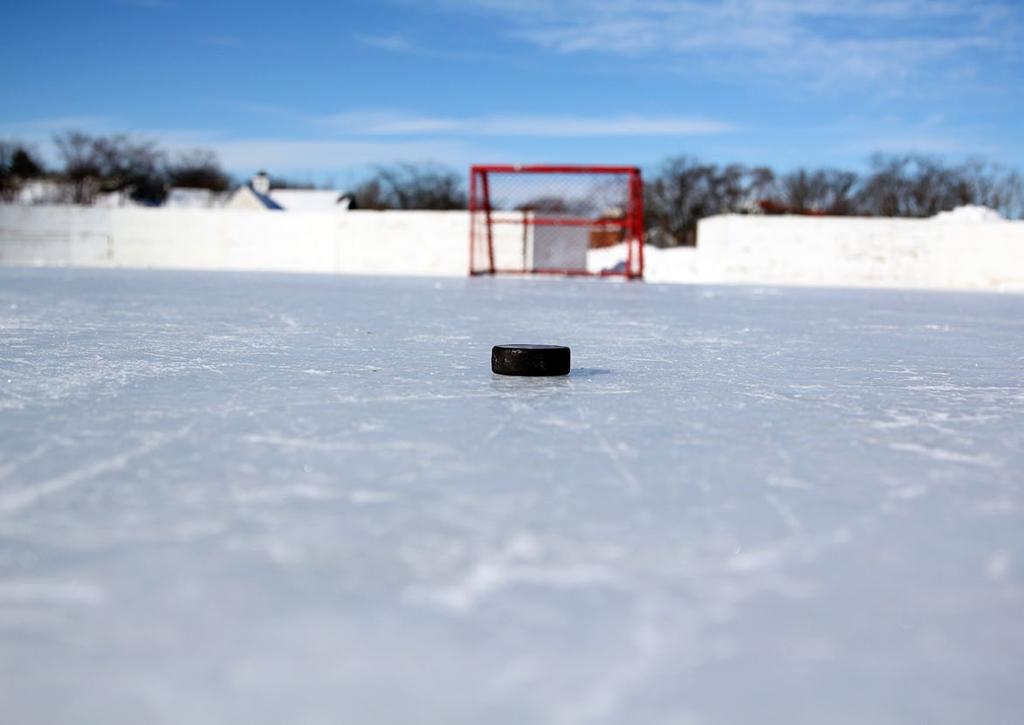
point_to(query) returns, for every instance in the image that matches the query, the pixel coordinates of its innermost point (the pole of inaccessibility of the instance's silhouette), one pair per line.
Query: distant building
(42, 191)
(180, 197)
(54, 191)
(115, 200)
(254, 195)
(257, 194)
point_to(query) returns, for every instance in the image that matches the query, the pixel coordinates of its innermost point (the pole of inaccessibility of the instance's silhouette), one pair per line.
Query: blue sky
(322, 91)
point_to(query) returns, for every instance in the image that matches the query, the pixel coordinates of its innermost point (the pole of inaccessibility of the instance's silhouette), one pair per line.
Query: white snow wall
(861, 252)
(834, 251)
(350, 242)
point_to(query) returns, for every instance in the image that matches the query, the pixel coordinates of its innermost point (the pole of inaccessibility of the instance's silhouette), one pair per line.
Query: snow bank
(678, 264)
(339, 242)
(969, 213)
(958, 253)
(861, 252)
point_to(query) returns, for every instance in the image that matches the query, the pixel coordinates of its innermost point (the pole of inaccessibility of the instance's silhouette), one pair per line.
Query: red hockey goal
(568, 220)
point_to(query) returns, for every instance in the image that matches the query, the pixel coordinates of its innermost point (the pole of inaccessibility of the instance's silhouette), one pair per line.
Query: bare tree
(677, 195)
(8, 181)
(17, 165)
(565, 205)
(761, 184)
(98, 164)
(993, 186)
(911, 186)
(552, 204)
(198, 169)
(25, 165)
(826, 191)
(685, 190)
(284, 182)
(411, 186)
(82, 165)
(674, 201)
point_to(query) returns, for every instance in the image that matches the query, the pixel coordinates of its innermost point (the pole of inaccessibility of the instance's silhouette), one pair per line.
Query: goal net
(569, 220)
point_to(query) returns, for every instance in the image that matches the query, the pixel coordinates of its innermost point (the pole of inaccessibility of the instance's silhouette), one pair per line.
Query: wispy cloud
(245, 153)
(552, 126)
(289, 155)
(870, 40)
(39, 133)
(41, 130)
(921, 144)
(932, 133)
(396, 43)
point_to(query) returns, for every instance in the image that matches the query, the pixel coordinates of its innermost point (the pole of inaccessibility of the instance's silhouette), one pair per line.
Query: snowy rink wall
(861, 252)
(783, 250)
(347, 242)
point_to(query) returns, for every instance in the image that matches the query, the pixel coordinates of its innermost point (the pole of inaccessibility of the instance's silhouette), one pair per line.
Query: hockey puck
(530, 360)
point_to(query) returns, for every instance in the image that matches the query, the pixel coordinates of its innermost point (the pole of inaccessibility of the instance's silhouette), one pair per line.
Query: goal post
(562, 220)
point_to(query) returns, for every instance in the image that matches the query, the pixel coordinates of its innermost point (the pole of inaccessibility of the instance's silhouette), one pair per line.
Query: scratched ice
(285, 499)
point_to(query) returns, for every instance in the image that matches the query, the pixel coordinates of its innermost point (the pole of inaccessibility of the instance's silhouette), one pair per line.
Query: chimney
(260, 183)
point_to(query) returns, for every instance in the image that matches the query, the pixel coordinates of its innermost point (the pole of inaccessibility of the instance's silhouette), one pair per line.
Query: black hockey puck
(530, 360)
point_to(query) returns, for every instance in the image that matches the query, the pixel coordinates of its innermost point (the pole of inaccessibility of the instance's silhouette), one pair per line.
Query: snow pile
(606, 259)
(180, 197)
(969, 213)
(674, 264)
(311, 199)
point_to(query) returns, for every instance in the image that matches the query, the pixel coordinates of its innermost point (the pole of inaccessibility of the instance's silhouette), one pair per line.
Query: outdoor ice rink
(256, 498)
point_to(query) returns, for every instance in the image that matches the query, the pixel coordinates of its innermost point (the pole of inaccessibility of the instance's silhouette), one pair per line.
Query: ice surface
(286, 499)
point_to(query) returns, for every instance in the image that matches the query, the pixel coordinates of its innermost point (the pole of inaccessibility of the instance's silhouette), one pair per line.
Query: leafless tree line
(94, 165)
(411, 186)
(685, 190)
(16, 165)
(677, 194)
